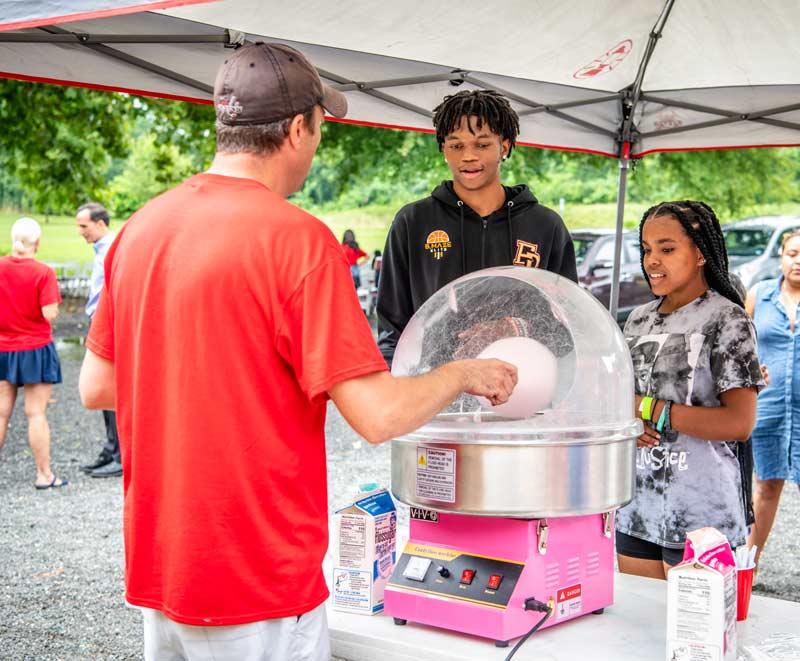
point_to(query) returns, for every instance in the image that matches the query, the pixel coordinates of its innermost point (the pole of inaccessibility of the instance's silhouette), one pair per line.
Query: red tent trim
(102, 13)
(720, 148)
(103, 88)
(399, 127)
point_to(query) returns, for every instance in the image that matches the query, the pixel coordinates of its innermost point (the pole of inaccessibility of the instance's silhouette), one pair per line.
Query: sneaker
(103, 459)
(112, 469)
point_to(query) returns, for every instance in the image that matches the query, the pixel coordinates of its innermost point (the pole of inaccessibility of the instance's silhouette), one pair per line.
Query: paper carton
(701, 600)
(363, 552)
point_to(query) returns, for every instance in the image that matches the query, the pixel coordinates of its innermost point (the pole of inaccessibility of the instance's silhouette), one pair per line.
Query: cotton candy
(537, 372)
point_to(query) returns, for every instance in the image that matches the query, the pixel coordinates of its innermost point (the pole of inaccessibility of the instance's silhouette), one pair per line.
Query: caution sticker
(436, 474)
(569, 602)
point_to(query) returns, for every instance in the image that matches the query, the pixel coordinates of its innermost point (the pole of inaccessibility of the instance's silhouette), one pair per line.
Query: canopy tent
(614, 78)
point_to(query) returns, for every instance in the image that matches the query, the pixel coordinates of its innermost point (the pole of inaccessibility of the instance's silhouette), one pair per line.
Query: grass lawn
(60, 239)
(61, 242)
(371, 224)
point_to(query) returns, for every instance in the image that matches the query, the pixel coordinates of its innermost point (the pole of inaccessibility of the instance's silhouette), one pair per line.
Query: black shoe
(102, 460)
(112, 469)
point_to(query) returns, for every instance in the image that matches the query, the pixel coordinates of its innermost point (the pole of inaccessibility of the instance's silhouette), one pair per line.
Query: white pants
(303, 638)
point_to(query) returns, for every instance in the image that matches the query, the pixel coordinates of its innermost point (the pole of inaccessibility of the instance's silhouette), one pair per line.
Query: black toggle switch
(444, 572)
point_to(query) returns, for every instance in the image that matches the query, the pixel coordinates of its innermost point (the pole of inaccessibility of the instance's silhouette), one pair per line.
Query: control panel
(461, 576)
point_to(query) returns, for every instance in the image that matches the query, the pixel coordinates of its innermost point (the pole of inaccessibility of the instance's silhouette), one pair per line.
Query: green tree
(149, 170)
(58, 141)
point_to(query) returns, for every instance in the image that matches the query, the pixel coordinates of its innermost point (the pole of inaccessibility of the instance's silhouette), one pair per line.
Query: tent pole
(624, 166)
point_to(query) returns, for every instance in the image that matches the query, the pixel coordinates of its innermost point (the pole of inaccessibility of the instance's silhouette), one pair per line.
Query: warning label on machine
(569, 602)
(436, 474)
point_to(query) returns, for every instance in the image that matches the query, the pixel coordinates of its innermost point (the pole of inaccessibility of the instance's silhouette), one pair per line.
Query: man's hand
(480, 336)
(492, 379)
(380, 406)
(765, 374)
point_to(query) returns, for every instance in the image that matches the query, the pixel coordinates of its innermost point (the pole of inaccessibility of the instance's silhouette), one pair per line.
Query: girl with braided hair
(697, 377)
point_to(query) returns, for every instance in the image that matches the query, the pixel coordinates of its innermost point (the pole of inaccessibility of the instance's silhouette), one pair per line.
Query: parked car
(754, 246)
(594, 254)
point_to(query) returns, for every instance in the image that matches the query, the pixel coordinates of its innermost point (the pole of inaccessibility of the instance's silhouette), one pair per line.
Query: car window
(633, 250)
(605, 253)
(776, 250)
(582, 246)
(747, 241)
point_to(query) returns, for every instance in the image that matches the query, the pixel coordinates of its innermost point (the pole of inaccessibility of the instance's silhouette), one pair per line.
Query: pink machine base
(567, 563)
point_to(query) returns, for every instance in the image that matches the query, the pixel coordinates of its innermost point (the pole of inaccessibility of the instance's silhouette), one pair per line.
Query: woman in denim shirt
(776, 438)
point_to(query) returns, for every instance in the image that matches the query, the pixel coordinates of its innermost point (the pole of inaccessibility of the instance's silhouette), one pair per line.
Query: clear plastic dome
(577, 359)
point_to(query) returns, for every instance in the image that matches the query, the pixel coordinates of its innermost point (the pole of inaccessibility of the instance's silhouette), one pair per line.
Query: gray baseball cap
(263, 83)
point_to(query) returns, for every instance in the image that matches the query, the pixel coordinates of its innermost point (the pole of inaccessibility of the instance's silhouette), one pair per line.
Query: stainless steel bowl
(530, 474)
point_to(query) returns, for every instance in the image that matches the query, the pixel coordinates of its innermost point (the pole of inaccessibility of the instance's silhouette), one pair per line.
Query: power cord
(532, 604)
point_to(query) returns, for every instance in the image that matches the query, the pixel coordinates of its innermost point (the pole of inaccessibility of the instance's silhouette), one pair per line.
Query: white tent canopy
(617, 78)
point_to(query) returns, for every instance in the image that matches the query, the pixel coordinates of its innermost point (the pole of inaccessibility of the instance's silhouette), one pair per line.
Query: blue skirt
(31, 366)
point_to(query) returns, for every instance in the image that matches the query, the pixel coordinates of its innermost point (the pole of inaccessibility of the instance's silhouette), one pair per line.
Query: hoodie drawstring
(510, 232)
(463, 244)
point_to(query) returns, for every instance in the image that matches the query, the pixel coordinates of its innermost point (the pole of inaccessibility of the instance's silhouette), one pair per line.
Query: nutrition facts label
(436, 474)
(352, 540)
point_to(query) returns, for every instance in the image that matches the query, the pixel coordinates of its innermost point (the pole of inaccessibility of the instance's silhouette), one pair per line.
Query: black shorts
(633, 547)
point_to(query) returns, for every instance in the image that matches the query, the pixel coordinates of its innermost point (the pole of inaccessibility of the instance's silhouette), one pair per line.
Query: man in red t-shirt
(227, 319)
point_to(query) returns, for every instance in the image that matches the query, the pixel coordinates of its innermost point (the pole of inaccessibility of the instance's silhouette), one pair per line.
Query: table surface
(633, 628)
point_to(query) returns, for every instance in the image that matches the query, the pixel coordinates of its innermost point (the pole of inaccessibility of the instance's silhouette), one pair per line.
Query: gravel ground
(61, 568)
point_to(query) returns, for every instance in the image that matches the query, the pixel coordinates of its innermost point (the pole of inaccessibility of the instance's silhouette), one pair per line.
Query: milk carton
(363, 552)
(701, 600)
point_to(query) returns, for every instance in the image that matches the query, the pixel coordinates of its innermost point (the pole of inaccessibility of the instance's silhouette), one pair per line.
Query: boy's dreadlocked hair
(701, 224)
(488, 106)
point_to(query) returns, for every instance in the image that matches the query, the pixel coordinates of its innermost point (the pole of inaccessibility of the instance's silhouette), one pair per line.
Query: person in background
(377, 262)
(220, 343)
(697, 377)
(469, 223)
(773, 305)
(29, 298)
(93, 222)
(355, 255)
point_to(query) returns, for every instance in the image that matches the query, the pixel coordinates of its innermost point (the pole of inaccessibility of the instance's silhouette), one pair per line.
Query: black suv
(594, 255)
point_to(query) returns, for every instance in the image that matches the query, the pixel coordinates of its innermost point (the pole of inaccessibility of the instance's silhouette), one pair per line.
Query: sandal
(52, 485)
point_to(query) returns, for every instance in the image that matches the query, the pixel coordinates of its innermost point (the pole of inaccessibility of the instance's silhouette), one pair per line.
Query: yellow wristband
(646, 408)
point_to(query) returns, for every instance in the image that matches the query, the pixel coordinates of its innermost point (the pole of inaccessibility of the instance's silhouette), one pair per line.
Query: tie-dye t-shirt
(689, 356)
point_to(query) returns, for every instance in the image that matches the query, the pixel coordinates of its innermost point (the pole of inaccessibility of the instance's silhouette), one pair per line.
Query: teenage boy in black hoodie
(470, 223)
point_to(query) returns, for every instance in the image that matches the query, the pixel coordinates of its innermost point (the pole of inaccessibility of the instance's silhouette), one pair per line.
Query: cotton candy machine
(515, 502)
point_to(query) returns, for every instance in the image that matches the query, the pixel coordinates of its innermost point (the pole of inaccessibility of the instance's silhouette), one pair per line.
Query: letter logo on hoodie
(437, 243)
(527, 254)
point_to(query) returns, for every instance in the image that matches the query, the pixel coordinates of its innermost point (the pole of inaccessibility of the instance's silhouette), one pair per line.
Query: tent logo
(437, 243)
(606, 62)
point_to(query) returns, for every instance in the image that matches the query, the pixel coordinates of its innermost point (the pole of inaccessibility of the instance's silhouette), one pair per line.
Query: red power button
(494, 581)
(467, 575)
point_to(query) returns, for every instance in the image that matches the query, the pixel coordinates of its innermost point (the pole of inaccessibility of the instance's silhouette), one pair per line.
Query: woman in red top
(29, 299)
(355, 256)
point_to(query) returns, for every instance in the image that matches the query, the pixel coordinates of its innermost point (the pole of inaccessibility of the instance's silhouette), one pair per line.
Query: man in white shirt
(93, 220)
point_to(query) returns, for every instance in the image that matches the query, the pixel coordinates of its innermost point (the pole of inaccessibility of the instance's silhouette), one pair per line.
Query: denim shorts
(30, 366)
(633, 547)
